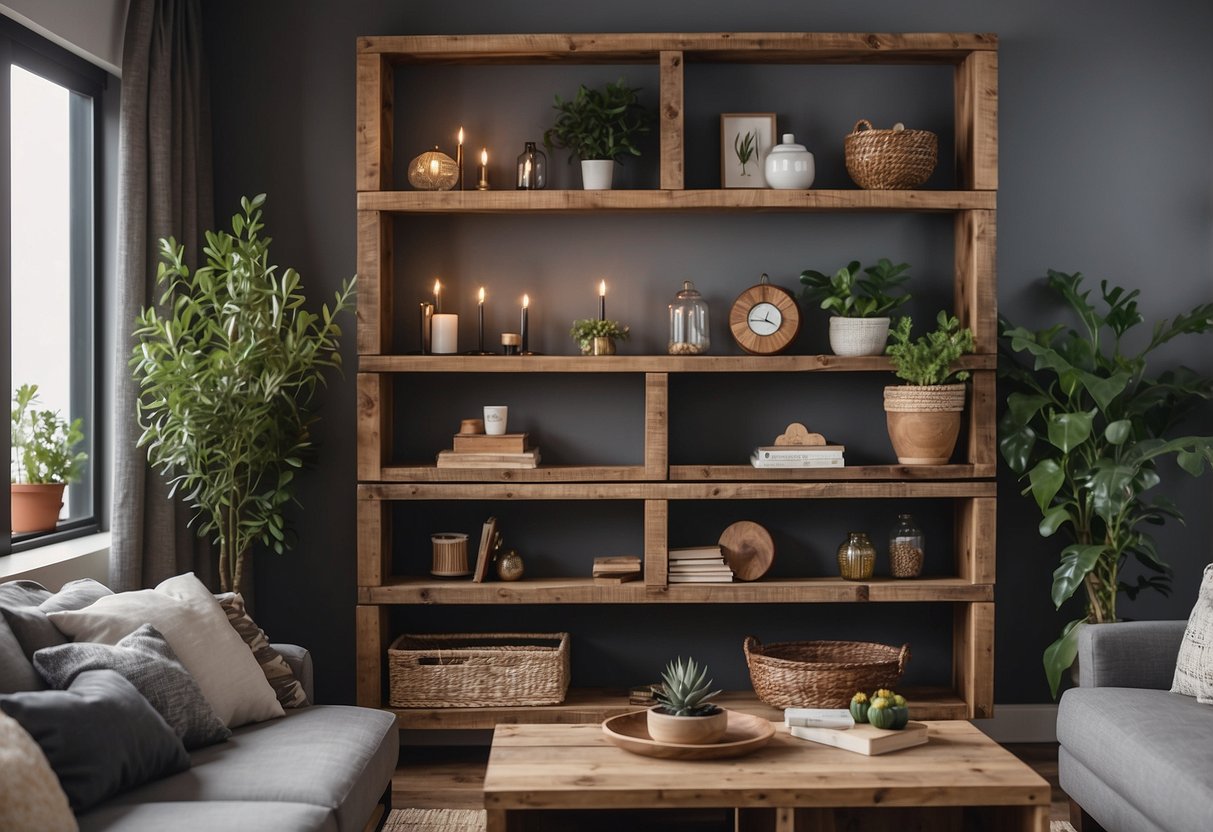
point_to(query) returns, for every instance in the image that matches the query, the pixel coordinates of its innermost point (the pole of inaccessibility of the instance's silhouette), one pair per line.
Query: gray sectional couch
(321, 768)
(1133, 756)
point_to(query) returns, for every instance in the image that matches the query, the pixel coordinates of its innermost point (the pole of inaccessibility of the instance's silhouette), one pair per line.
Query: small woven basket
(821, 674)
(478, 670)
(890, 159)
(924, 398)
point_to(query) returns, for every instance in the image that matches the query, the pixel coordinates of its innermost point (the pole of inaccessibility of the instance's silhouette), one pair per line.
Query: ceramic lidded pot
(789, 165)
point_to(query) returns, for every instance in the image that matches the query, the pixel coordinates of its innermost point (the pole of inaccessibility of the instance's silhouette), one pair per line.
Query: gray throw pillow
(100, 735)
(147, 661)
(28, 621)
(16, 672)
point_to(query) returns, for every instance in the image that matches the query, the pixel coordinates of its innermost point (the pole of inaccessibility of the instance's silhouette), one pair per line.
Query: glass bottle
(856, 557)
(907, 546)
(532, 169)
(688, 322)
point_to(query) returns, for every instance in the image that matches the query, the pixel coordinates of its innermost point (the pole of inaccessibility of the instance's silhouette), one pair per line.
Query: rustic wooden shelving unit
(384, 479)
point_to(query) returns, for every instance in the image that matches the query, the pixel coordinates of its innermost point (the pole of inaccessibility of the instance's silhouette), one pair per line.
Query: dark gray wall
(1105, 168)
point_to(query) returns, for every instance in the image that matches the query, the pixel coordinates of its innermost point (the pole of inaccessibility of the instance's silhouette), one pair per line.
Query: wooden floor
(452, 777)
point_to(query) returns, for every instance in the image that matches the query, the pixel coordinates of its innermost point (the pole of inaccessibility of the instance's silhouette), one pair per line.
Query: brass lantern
(433, 171)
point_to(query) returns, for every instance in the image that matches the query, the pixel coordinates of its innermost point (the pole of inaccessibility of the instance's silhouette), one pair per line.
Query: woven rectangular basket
(478, 670)
(821, 674)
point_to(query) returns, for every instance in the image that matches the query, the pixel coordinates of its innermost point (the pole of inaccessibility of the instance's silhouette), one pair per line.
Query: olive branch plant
(228, 365)
(745, 148)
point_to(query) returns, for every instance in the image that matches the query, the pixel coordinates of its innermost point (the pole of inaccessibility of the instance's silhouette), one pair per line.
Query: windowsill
(56, 563)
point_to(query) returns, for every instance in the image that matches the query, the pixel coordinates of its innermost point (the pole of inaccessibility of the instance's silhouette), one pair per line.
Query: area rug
(436, 820)
(1060, 826)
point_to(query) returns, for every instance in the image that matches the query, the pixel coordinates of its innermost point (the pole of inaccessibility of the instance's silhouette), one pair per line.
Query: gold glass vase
(856, 557)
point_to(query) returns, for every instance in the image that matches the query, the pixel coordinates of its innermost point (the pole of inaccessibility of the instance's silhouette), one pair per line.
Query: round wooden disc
(748, 550)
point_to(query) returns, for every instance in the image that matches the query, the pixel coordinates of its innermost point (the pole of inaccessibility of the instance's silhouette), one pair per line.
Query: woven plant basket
(890, 159)
(821, 674)
(478, 670)
(926, 398)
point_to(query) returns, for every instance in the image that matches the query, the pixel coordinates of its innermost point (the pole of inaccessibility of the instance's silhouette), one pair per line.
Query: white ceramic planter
(596, 174)
(687, 730)
(789, 166)
(858, 336)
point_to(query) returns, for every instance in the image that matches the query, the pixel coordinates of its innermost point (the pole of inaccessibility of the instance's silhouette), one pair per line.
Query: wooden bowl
(746, 733)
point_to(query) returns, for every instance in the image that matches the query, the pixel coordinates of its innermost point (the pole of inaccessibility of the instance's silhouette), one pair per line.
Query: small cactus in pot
(683, 714)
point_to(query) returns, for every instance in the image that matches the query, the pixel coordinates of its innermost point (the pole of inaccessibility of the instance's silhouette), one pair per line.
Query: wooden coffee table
(960, 779)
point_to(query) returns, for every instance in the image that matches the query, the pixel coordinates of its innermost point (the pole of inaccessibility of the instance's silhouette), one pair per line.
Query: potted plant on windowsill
(596, 337)
(683, 714)
(598, 127)
(924, 413)
(860, 306)
(42, 463)
(1085, 427)
(228, 367)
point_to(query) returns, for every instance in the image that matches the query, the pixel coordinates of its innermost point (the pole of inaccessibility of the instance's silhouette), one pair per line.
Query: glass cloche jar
(688, 322)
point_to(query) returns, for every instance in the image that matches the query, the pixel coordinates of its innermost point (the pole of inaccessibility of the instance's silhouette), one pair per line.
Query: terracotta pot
(924, 421)
(36, 507)
(687, 730)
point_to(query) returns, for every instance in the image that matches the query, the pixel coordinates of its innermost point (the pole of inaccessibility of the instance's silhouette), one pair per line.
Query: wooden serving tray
(746, 733)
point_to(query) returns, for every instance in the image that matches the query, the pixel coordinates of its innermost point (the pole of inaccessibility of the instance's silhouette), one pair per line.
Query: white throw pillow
(1194, 667)
(196, 627)
(30, 794)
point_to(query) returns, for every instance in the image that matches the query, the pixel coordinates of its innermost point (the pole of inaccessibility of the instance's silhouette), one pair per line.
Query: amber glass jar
(856, 557)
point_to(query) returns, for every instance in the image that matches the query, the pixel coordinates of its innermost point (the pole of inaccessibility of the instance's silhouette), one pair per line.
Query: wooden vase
(687, 730)
(450, 555)
(924, 421)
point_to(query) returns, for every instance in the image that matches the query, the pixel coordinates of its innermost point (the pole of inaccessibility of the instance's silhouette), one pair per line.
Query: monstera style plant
(1085, 428)
(228, 367)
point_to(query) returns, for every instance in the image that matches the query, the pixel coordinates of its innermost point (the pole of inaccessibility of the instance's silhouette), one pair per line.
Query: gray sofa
(321, 768)
(1135, 757)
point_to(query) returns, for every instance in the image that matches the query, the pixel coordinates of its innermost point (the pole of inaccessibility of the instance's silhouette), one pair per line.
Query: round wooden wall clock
(764, 318)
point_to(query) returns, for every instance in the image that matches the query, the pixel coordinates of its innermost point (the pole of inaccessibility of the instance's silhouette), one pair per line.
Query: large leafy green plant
(228, 366)
(848, 295)
(1085, 427)
(41, 442)
(599, 124)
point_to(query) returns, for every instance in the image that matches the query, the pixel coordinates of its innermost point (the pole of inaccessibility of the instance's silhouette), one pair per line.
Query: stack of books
(618, 569)
(479, 450)
(699, 565)
(798, 456)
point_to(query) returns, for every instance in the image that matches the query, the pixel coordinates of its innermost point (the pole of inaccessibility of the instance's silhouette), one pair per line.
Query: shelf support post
(374, 397)
(656, 548)
(671, 121)
(976, 118)
(374, 541)
(371, 627)
(656, 426)
(973, 657)
(975, 235)
(974, 545)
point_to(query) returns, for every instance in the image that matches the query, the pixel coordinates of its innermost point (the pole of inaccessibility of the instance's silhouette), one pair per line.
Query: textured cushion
(277, 672)
(29, 622)
(146, 660)
(334, 756)
(212, 816)
(1194, 667)
(16, 672)
(192, 621)
(1153, 747)
(100, 735)
(30, 794)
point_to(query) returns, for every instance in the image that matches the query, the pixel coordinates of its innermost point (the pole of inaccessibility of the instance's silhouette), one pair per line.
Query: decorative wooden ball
(764, 319)
(433, 171)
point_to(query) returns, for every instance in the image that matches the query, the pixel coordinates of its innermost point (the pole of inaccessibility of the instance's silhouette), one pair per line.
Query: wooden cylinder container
(450, 555)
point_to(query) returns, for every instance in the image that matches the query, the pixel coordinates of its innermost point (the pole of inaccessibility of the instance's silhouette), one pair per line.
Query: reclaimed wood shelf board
(674, 490)
(643, 363)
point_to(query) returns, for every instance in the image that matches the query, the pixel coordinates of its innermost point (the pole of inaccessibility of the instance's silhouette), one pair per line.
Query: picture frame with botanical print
(745, 140)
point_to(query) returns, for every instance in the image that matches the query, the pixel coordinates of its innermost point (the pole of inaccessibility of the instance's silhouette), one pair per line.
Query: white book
(697, 561)
(799, 451)
(835, 718)
(701, 579)
(695, 552)
(823, 462)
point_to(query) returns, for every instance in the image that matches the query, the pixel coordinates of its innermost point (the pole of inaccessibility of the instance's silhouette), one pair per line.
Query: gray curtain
(165, 189)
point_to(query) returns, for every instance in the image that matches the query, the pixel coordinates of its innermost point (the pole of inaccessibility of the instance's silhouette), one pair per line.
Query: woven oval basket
(890, 159)
(821, 674)
(478, 670)
(925, 398)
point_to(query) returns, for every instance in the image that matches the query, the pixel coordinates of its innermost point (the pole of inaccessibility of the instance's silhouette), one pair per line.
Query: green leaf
(1069, 430)
(1053, 520)
(1046, 479)
(1023, 406)
(1118, 432)
(1076, 561)
(1060, 655)
(1016, 446)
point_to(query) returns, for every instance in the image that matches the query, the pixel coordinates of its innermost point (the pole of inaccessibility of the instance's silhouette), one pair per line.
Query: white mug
(494, 419)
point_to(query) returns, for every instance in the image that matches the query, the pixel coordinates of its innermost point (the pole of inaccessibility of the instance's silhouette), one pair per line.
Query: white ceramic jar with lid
(789, 165)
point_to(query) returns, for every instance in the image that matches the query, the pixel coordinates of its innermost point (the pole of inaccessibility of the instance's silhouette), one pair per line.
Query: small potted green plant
(683, 714)
(596, 337)
(924, 413)
(43, 462)
(598, 127)
(860, 306)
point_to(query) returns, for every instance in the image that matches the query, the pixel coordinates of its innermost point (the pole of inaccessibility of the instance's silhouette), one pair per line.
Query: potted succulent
(683, 714)
(860, 305)
(597, 127)
(228, 367)
(42, 462)
(924, 413)
(597, 337)
(1085, 427)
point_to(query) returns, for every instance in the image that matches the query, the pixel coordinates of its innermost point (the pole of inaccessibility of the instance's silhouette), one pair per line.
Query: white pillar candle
(445, 338)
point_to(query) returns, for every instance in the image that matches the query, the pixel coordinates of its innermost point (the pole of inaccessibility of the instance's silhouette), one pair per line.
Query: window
(49, 138)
